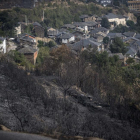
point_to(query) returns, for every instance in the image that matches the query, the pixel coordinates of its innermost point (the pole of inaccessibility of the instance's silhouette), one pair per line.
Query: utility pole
(43, 16)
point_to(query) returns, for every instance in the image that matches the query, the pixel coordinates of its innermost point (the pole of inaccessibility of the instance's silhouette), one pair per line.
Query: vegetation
(94, 73)
(118, 46)
(105, 23)
(21, 60)
(55, 17)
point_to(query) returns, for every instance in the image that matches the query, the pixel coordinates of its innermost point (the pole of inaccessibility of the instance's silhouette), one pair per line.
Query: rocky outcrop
(132, 17)
(4, 128)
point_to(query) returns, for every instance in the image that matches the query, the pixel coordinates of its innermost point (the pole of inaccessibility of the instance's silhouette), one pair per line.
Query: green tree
(138, 20)
(130, 23)
(105, 23)
(130, 60)
(118, 46)
(106, 40)
(51, 44)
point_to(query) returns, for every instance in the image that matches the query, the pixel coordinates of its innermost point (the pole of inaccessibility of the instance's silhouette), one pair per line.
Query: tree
(51, 44)
(116, 3)
(105, 23)
(130, 60)
(118, 46)
(106, 40)
(130, 23)
(138, 20)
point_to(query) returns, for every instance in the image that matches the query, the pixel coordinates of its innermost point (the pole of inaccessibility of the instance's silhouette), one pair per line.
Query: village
(89, 34)
(70, 69)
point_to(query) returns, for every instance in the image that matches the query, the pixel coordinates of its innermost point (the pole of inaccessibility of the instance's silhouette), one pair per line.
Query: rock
(2, 127)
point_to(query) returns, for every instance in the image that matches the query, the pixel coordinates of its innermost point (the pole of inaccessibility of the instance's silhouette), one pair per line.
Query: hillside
(50, 104)
(16, 3)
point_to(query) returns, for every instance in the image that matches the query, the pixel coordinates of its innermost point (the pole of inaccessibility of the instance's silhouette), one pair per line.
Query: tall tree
(118, 46)
(105, 23)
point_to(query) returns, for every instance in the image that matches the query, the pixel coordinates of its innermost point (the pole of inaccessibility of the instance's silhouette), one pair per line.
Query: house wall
(3, 46)
(72, 39)
(86, 29)
(32, 57)
(39, 31)
(24, 42)
(65, 41)
(35, 56)
(118, 21)
(92, 18)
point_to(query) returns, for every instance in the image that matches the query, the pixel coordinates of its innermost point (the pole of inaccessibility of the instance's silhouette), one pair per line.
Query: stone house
(2, 45)
(82, 25)
(38, 30)
(86, 44)
(26, 39)
(129, 34)
(65, 38)
(115, 19)
(112, 36)
(86, 18)
(68, 26)
(30, 53)
(92, 25)
(99, 31)
(79, 35)
(51, 32)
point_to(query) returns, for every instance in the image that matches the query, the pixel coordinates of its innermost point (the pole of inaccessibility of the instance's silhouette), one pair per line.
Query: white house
(105, 2)
(82, 25)
(118, 19)
(66, 38)
(2, 45)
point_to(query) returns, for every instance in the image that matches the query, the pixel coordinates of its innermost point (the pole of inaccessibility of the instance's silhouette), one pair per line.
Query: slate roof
(27, 50)
(121, 56)
(37, 24)
(130, 40)
(52, 33)
(111, 15)
(137, 36)
(68, 26)
(82, 24)
(137, 42)
(63, 30)
(131, 51)
(100, 29)
(27, 37)
(84, 43)
(78, 32)
(66, 36)
(129, 34)
(91, 23)
(113, 35)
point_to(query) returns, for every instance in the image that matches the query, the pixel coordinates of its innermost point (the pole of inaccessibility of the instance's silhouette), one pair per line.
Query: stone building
(134, 5)
(38, 29)
(30, 53)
